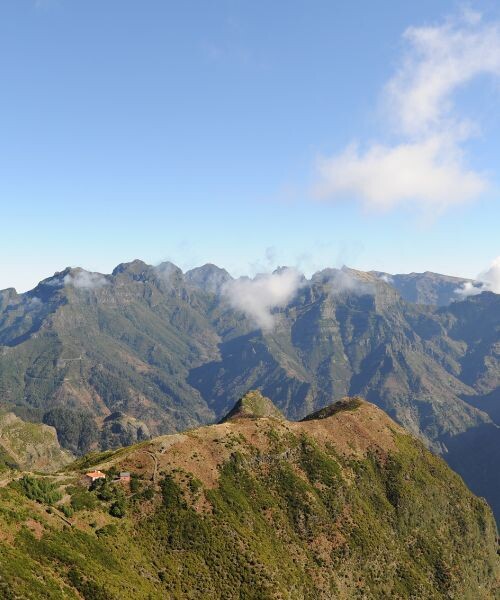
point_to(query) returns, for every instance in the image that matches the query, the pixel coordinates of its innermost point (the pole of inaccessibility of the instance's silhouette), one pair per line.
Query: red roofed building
(94, 475)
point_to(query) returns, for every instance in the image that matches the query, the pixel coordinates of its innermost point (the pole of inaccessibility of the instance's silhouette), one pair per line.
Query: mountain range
(109, 360)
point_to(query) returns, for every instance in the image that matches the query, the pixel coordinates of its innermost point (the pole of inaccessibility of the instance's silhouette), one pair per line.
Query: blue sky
(248, 134)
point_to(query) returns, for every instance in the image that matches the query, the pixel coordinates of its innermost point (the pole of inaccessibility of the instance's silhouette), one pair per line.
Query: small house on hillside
(94, 476)
(125, 477)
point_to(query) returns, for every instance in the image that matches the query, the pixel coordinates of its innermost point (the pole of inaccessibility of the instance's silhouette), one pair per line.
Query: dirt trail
(6, 479)
(155, 459)
(13, 476)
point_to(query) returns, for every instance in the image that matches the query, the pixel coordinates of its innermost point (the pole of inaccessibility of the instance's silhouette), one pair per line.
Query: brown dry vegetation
(344, 505)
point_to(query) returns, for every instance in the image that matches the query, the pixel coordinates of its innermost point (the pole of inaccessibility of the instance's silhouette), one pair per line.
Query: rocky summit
(253, 405)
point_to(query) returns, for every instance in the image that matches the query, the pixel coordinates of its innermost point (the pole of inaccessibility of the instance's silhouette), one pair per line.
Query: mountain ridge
(170, 355)
(345, 504)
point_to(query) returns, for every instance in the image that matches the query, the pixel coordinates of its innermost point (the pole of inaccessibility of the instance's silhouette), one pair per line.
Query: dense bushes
(40, 490)
(87, 588)
(118, 508)
(83, 500)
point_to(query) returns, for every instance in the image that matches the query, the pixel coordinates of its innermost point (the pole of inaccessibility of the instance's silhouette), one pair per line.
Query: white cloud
(430, 172)
(491, 277)
(426, 166)
(85, 280)
(469, 289)
(257, 297)
(440, 60)
(488, 280)
(344, 282)
(386, 278)
(55, 281)
(265, 264)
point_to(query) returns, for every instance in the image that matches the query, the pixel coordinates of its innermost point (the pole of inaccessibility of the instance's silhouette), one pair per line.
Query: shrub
(135, 485)
(87, 588)
(67, 510)
(148, 493)
(76, 430)
(194, 485)
(83, 500)
(118, 509)
(38, 489)
(107, 530)
(172, 495)
(105, 492)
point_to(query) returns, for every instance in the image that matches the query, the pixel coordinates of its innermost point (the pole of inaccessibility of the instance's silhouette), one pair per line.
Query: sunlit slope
(343, 505)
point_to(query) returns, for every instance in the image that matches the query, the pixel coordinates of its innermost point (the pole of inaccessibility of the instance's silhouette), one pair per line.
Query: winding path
(155, 460)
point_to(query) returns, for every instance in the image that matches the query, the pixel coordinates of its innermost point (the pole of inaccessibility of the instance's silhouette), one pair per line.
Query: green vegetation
(83, 500)
(76, 430)
(67, 510)
(346, 404)
(6, 461)
(38, 489)
(297, 518)
(253, 405)
(118, 508)
(29, 446)
(87, 588)
(92, 459)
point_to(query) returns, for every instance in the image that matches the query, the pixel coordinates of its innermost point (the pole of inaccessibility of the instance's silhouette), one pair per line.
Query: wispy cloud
(345, 282)
(257, 297)
(488, 280)
(387, 278)
(32, 303)
(491, 277)
(426, 166)
(85, 280)
(266, 263)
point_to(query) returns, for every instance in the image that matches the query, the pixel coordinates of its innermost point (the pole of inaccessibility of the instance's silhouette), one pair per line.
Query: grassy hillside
(343, 505)
(30, 446)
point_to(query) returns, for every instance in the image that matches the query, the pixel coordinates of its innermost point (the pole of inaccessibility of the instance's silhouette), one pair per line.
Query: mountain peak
(7, 295)
(253, 405)
(345, 404)
(135, 267)
(168, 267)
(208, 277)
(168, 273)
